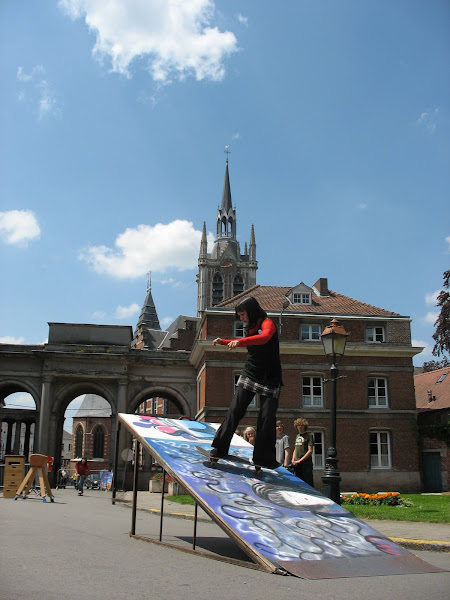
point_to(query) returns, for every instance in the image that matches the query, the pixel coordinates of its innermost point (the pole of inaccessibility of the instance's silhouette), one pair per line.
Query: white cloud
(431, 317)
(19, 227)
(20, 400)
(426, 353)
(361, 206)
(242, 20)
(38, 91)
(166, 321)
(125, 312)
(146, 248)
(176, 37)
(428, 120)
(447, 239)
(432, 298)
(9, 339)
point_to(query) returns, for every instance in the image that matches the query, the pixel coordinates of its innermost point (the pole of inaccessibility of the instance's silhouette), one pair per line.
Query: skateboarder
(260, 375)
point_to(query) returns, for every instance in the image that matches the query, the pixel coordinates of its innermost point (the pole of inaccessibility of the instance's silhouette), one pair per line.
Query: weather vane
(227, 152)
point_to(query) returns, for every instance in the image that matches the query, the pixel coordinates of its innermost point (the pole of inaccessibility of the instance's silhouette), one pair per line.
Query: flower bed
(379, 499)
(159, 477)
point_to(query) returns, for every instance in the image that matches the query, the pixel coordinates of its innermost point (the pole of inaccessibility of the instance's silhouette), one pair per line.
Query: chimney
(321, 286)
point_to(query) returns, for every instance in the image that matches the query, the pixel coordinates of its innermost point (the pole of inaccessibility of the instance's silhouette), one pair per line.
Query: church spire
(226, 216)
(149, 316)
(204, 243)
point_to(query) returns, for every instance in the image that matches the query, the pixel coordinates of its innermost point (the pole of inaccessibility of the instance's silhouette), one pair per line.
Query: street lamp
(334, 338)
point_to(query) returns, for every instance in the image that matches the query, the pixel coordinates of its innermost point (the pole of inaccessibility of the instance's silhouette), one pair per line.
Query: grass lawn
(431, 509)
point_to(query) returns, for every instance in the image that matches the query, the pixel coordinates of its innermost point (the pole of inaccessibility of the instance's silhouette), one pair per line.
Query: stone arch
(71, 390)
(164, 391)
(12, 386)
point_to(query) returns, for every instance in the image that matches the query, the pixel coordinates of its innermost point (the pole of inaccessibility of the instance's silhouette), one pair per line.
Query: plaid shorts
(258, 388)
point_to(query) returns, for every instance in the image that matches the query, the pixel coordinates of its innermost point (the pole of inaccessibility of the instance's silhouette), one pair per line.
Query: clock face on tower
(227, 263)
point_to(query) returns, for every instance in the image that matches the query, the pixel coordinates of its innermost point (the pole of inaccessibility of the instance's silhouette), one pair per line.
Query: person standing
(261, 375)
(82, 469)
(303, 449)
(283, 450)
(249, 435)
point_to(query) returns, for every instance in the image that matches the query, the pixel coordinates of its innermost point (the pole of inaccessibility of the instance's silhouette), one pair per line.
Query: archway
(18, 424)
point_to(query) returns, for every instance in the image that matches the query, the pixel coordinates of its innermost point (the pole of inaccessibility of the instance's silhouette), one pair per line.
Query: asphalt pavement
(80, 547)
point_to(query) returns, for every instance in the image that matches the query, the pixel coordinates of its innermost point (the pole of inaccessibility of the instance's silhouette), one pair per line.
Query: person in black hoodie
(260, 375)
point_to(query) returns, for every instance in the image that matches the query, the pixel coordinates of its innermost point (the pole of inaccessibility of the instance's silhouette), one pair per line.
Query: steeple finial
(227, 152)
(149, 280)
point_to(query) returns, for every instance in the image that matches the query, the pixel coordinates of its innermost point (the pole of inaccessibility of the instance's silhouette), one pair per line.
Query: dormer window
(374, 334)
(301, 298)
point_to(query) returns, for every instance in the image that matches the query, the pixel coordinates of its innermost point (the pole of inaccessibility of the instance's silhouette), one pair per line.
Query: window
(239, 329)
(310, 333)
(254, 402)
(217, 289)
(375, 334)
(301, 298)
(99, 441)
(318, 451)
(441, 378)
(238, 285)
(377, 392)
(312, 391)
(380, 450)
(79, 442)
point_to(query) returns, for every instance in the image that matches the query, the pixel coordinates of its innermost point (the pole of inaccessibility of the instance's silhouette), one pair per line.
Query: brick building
(433, 421)
(376, 413)
(91, 433)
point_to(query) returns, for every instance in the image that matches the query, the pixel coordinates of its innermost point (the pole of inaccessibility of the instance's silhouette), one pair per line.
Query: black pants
(304, 471)
(266, 433)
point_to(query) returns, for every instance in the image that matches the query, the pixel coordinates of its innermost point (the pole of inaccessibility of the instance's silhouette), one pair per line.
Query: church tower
(224, 272)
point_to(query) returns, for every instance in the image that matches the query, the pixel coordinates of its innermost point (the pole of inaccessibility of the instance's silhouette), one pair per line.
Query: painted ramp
(277, 519)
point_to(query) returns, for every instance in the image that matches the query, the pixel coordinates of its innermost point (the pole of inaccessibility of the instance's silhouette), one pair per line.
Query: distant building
(91, 434)
(433, 421)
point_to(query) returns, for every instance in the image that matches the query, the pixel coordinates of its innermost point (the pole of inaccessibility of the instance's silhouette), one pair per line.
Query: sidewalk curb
(156, 511)
(434, 545)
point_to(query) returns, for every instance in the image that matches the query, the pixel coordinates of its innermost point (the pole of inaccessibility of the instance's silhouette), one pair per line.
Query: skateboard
(228, 458)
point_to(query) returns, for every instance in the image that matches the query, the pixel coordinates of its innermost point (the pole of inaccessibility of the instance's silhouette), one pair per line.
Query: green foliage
(442, 334)
(438, 431)
(425, 508)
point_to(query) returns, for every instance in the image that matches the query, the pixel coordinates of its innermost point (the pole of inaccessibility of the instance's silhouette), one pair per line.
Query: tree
(442, 334)
(432, 365)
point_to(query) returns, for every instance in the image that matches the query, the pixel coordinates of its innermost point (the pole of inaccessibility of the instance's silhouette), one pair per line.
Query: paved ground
(79, 547)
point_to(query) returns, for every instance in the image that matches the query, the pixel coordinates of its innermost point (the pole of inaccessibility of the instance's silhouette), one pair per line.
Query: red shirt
(267, 330)
(82, 468)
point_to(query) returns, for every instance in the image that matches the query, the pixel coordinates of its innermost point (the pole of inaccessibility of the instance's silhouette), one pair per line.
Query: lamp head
(334, 338)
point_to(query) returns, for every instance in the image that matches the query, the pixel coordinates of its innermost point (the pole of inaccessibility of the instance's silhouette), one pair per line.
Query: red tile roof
(271, 297)
(428, 382)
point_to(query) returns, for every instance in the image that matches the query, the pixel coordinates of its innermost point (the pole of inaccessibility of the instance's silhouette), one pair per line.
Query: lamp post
(333, 338)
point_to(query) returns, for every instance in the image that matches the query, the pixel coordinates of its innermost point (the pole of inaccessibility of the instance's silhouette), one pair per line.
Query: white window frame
(254, 403)
(318, 458)
(377, 397)
(383, 457)
(301, 298)
(315, 401)
(239, 331)
(309, 332)
(375, 334)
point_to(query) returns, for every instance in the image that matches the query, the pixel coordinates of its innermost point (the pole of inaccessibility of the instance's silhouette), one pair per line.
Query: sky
(115, 116)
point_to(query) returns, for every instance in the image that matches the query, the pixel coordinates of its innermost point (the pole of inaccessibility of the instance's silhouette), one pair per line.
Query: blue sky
(115, 116)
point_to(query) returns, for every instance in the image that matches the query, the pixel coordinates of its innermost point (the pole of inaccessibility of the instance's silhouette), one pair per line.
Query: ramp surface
(277, 519)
